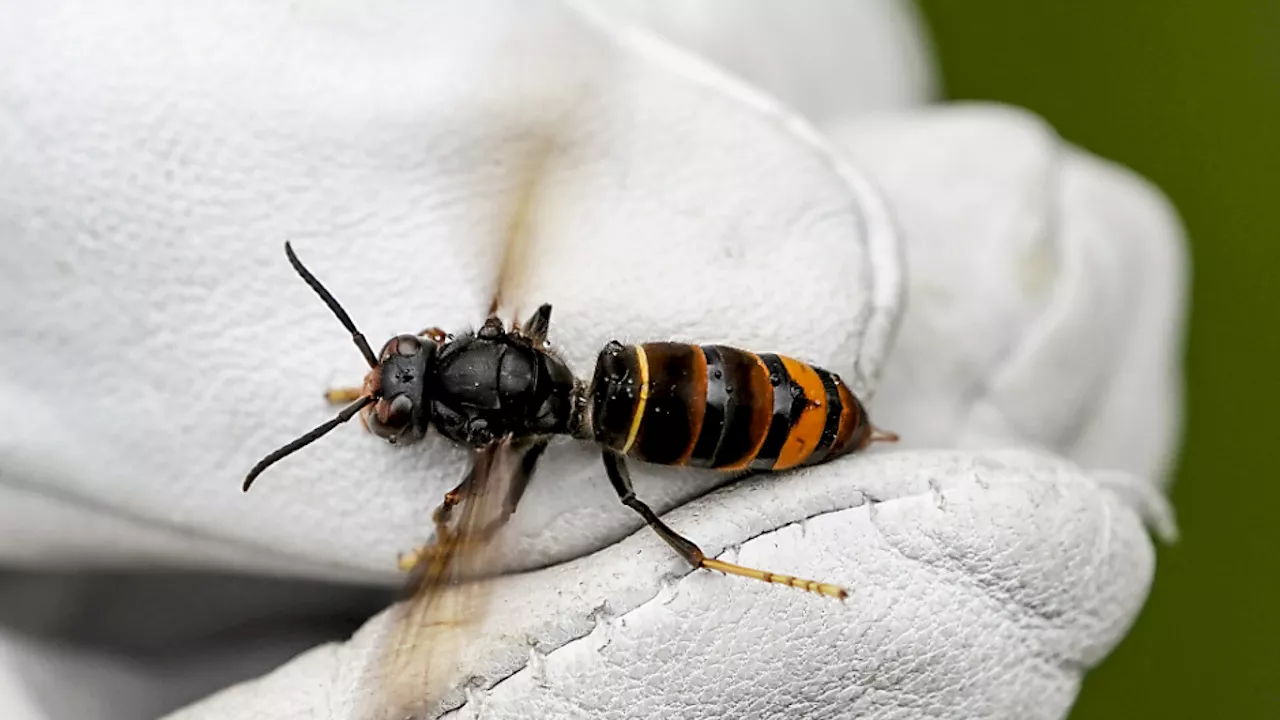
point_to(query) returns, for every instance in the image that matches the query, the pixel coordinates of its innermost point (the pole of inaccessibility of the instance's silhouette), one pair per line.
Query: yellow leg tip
(825, 589)
(408, 562)
(342, 396)
(836, 592)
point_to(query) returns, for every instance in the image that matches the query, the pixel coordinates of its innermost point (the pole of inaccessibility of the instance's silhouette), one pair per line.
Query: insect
(506, 393)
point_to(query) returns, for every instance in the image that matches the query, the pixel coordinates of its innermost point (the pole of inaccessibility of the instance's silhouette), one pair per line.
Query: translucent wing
(419, 660)
(519, 235)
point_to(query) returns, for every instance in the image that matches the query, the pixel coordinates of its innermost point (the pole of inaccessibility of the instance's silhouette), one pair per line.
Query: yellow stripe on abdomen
(642, 362)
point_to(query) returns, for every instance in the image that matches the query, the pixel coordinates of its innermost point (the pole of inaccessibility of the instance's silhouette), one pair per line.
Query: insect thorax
(485, 388)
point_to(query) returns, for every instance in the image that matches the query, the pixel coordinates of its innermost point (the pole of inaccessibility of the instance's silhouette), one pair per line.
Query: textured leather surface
(157, 343)
(981, 585)
(187, 348)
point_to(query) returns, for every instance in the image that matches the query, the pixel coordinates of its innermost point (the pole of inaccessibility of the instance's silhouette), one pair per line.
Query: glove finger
(1047, 297)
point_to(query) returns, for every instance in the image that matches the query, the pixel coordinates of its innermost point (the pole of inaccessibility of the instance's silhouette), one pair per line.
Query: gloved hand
(159, 344)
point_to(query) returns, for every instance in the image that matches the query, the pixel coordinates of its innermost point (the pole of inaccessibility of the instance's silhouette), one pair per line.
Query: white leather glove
(157, 344)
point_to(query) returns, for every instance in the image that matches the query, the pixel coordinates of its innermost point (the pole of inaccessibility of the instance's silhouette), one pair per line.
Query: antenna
(347, 413)
(332, 302)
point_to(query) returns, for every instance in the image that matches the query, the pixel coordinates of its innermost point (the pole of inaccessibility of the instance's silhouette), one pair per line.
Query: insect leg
(520, 478)
(343, 395)
(451, 499)
(616, 467)
(443, 512)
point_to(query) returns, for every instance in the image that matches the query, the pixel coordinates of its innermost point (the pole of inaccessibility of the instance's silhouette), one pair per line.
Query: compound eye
(398, 412)
(403, 345)
(408, 345)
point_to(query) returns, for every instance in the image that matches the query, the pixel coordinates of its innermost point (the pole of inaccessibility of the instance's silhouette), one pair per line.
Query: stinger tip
(879, 435)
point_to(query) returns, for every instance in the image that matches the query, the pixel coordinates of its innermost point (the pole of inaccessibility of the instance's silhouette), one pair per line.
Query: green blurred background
(1188, 94)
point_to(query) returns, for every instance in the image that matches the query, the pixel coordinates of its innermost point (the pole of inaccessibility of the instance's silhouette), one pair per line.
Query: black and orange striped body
(506, 394)
(720, 407)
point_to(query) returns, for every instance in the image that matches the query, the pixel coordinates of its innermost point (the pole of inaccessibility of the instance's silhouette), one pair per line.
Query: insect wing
(420, 659)
(518, 236)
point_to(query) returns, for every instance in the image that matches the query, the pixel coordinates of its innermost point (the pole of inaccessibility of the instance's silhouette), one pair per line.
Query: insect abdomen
(721, 407)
